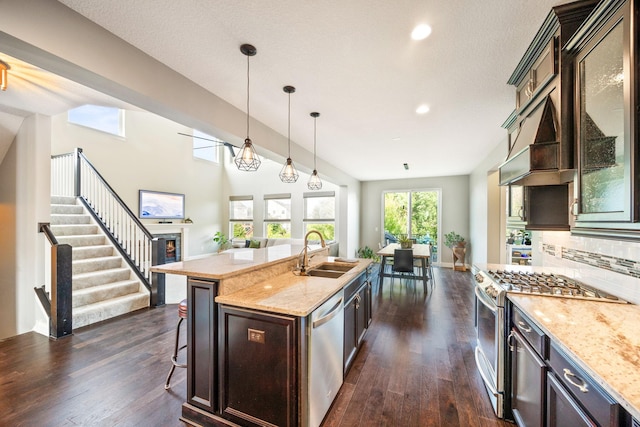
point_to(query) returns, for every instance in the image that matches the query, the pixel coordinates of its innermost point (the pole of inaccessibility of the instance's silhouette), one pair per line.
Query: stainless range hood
(534, 157)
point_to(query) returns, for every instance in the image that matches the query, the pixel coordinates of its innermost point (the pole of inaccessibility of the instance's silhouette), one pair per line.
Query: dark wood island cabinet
(259, 335)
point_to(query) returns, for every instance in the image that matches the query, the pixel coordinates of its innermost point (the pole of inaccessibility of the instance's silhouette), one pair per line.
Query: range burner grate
(547, 284)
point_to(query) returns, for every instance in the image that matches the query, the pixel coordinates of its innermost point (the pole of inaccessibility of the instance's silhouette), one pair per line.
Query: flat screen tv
(160, 205)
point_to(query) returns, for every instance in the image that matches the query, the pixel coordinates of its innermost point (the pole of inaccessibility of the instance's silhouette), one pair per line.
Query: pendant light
(247, 159)
(289, 174)
(4, 67)
(314, 180)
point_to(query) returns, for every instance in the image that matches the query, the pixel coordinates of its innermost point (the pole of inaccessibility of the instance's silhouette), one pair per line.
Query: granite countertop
(225, 265)
(292, 294)
(602, 337)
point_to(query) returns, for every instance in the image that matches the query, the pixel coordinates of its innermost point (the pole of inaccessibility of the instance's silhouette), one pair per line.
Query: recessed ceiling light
(421, 32)
(423, 109)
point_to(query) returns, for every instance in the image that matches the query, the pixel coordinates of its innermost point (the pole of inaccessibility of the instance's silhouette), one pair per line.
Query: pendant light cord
(247, 96)
(289, 127)
(314, 142)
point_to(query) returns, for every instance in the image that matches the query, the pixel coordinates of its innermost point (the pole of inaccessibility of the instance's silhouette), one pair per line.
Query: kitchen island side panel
(202, 354)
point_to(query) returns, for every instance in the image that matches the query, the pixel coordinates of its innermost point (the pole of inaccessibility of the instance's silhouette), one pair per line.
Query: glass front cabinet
(605, 188)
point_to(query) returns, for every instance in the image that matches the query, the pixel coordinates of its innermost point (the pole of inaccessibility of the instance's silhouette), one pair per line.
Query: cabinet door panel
(562, 410)
(259, 368)
(603, 174)
(527, 376)
(350, 337)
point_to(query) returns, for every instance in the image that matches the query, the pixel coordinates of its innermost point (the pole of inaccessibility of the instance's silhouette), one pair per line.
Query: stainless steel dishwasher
(325, 356)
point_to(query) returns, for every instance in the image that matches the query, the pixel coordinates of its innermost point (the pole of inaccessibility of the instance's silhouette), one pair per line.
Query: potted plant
(221, 240)
(367, 252)
(458, 247)
(453, 239)
(405, 241)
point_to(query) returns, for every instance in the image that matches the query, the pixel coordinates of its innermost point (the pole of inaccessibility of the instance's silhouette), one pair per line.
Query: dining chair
(403, 264)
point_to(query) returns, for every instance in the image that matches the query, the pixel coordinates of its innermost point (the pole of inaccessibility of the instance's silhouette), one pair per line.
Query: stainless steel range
(492, 287)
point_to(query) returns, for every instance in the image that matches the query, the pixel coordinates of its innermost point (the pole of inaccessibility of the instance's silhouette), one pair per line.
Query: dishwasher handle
(330, 315)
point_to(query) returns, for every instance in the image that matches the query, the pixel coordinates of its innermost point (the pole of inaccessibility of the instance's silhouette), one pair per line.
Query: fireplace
(173, 246)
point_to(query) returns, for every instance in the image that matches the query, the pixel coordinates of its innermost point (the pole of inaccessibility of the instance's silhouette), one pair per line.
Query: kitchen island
(253, 353)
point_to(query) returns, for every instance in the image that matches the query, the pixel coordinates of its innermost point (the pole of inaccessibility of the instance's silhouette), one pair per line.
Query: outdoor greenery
(243, 230)
(328, 231)
(277, 231)
(424, 213)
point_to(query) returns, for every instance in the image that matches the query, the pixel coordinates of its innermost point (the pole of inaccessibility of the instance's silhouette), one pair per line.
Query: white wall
(24, 202)
(454, 212)
(152, 156)
(266, 181)
(487, 218)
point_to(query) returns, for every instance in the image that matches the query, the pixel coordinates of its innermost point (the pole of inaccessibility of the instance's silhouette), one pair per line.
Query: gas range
(548, 284)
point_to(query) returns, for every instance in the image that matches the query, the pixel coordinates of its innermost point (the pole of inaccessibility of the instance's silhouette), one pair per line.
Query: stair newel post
(76, 171)
(61, 323)
(158, 256)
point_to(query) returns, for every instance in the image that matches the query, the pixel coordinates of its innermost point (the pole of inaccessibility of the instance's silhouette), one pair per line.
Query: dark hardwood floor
(416, 368)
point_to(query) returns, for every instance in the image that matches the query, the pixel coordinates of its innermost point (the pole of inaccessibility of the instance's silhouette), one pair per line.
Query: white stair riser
(74, 229)
(86, 252)
(100, 278)
(63, 200)
(67, 219)
(91, 240)
(94, 313)
(96, 264)
(67, 210)
(104, 292)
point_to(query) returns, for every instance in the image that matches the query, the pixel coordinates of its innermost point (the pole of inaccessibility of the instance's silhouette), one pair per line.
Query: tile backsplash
(610, 265)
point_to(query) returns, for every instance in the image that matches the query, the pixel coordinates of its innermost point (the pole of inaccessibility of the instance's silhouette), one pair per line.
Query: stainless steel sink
(329, 269)
(326, 273)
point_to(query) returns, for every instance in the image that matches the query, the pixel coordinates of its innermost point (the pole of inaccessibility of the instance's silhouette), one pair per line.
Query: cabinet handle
(573, 208)
(521, 213)
(524, 326)
(358, 301)
(511, 336)
(568, 375)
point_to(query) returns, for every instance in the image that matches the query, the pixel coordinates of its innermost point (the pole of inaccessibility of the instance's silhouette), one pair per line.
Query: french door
(412, 212)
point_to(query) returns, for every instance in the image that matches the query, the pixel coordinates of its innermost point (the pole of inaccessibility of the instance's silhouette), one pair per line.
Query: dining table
(421, 252)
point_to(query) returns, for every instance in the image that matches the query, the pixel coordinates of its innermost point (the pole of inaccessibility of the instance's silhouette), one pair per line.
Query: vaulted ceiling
(353, 61)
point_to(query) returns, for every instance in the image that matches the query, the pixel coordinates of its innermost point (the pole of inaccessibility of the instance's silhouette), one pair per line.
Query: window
(241, 216)
(277, 222)
(206, 147)
(414, 213)
(320, 213)
(104, 119)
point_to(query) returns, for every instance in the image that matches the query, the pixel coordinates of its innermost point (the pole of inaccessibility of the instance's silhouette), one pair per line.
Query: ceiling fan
(217, 141)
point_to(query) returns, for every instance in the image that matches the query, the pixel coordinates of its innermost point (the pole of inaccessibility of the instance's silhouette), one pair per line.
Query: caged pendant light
(289, 174)
(314, 180)
(247, 159)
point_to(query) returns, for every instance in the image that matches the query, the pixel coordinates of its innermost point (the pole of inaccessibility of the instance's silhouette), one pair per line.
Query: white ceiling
(354, 62)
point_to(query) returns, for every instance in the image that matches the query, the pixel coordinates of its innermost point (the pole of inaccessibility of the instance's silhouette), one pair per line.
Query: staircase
(103, 284)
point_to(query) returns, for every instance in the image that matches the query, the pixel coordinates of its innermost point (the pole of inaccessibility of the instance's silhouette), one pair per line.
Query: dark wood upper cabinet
(606, 102)
(540, 158)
